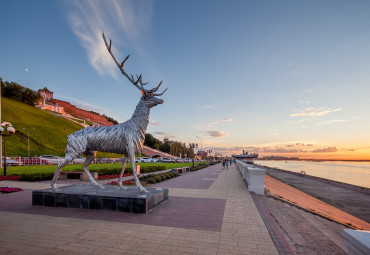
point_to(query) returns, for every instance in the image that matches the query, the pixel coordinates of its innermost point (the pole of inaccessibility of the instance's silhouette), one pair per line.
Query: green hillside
(48, 133)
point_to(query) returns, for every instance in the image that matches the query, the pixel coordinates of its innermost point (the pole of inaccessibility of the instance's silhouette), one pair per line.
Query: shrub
(33, 177)
(198, 167)
(151, 181)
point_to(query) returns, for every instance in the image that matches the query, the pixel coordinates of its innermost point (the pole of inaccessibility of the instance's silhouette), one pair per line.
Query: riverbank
(353, 173)
(353, 202)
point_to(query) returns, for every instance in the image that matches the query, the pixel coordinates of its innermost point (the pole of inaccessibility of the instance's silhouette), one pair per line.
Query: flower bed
(112, 176)
(9, 190)
(9, 178)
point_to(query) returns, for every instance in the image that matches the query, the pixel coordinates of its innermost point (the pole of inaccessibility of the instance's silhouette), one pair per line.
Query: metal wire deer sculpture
(124, 138)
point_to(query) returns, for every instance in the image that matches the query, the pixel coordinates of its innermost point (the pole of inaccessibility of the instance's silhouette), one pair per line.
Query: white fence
(29, 161)
(253, 175)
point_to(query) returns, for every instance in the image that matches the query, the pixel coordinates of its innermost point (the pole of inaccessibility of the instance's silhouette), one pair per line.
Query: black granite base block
(110, 204)
(88, 196)
(124, 204)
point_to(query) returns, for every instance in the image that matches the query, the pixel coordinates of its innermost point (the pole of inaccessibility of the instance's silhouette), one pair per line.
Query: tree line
(172, 147)
(19, 93)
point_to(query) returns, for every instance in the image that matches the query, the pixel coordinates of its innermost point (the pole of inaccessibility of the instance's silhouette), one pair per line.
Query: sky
(283, 78)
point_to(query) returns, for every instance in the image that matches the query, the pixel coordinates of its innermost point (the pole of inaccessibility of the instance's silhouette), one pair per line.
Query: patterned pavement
(209, 212)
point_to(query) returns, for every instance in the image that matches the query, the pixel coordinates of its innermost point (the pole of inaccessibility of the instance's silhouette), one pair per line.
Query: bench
(83, 176)
(180, 170)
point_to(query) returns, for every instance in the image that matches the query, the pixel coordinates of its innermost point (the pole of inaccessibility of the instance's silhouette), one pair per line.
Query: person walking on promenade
(227, 163)
(223, 163)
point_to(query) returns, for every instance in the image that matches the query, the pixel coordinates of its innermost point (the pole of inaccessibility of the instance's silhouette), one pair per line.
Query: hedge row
(198, 167)
(155, 178)
(33, 177)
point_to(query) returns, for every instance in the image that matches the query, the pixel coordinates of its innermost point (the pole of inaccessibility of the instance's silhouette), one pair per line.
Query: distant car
(179, 160)
(144, 160)
(166, 160)
(54, 160)
(79, 160)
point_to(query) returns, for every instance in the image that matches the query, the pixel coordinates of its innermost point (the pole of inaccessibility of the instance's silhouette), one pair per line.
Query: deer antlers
(139, 79)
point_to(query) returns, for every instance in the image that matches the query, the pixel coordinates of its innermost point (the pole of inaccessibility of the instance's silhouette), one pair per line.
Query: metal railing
(29, 161)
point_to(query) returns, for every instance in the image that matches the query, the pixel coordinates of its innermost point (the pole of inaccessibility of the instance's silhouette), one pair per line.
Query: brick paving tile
(193, 180)
(277, 235)
(212, 213)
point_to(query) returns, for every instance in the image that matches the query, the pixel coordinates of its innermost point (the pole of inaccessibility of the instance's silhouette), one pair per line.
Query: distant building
(66, 108)
(202, 154)
(246, 157)
(45, 94)
(279, 158)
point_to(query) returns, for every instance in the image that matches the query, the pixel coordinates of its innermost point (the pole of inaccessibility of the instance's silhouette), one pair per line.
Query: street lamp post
(28, 139)
(192, 146)
(201, 143)
(209, 152)
(6, 129)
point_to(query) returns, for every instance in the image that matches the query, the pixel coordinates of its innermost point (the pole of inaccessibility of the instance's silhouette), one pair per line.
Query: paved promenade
(209, 212)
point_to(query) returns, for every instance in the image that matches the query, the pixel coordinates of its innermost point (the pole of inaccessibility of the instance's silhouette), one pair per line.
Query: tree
(30, 97)
(13, 91)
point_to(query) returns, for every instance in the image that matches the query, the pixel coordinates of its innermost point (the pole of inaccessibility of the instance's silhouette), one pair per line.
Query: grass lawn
(47, 132)
(78, 167)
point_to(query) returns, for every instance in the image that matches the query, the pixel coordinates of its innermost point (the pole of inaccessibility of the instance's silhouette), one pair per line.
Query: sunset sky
(289, 78)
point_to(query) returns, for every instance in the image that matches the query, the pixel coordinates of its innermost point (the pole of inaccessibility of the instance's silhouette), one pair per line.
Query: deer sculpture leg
(61, 164)
(122, 171)
(131, 154)
(89, 158)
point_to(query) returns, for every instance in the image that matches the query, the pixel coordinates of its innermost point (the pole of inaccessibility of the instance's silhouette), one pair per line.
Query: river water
(357, 173)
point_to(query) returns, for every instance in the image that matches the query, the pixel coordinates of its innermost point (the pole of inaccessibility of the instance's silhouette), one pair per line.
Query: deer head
(148, 95)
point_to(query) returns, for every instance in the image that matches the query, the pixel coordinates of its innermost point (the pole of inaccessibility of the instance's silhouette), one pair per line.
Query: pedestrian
(223, 164)
(227, 163)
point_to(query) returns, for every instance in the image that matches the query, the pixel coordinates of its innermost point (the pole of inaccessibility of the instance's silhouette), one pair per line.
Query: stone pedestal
(253, 176)
(255, 179)
(88, 196)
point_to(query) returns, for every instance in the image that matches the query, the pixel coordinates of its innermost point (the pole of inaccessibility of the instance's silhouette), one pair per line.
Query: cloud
(304, 101)
(291, 63)
(217, 133)
(164, 134)
(328, 122)
(312, 111)
(26, 69)
(211, 107)
(211, 124)
(152, 122)
(328, 149)
(227, 119)
(118, 19)
(296, 121)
